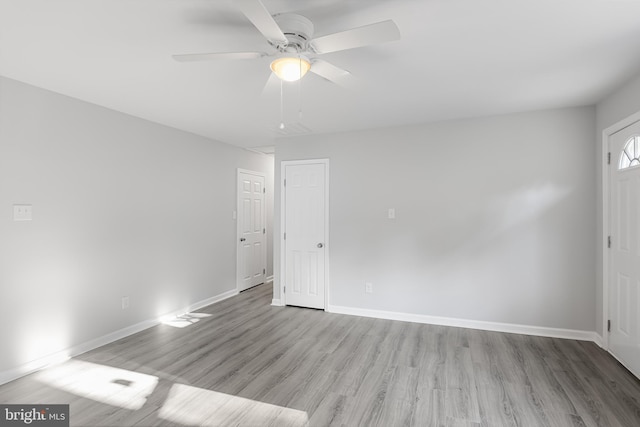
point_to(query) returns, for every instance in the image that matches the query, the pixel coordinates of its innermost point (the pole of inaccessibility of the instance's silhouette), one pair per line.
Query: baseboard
(61, 356)
(33, 366)
(277, 302)
(599, 340)
(205, 302)
(471, 324)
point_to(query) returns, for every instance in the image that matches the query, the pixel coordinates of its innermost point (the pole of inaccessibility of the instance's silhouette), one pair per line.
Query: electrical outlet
(22, 212)
(368, 287)
(125, 303)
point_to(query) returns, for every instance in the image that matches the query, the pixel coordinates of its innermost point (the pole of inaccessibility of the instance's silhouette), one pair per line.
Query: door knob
(242, 239)
(320, 245)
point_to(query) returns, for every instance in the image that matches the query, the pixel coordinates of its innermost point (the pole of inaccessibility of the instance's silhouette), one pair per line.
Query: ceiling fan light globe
(290, 69)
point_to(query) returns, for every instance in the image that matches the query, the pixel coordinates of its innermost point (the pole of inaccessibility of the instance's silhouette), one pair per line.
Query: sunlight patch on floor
(105, 384)
(184, 320)
(196, 406)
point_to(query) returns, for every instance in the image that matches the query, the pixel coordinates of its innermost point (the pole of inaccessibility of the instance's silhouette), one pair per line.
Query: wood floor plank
(245, 362)
(494, 406)
(330, 411)
(401, 397)
(587, 401)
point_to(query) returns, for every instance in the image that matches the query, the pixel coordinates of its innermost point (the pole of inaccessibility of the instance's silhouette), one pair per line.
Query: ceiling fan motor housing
(297, 29)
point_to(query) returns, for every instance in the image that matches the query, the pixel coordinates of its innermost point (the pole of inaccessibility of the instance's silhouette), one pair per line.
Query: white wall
(621, 104)
(495, 218)
(121, 206)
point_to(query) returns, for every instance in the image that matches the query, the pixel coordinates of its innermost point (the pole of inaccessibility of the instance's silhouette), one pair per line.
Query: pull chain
(300, 93)
(281, 107)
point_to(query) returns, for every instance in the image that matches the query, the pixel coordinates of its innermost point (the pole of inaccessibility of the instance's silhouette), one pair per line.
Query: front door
(305, 202)
(251, 250)
(624, 278)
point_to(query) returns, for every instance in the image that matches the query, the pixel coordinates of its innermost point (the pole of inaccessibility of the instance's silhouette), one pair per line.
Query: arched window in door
(631, 154)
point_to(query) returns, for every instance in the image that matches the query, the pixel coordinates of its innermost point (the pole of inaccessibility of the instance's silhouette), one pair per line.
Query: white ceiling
(455, 59)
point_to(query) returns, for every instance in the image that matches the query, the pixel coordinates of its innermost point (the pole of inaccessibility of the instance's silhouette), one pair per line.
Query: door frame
(606, 220)
(238, 228)
(283, 245)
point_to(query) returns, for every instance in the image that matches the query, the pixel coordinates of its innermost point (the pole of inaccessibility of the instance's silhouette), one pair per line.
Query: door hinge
(284, 290)
(264, 271)
(285, 182)
(609, 242)
(609, 158)
(264, 191)
(608, 325)
(264, 231)
(285, 236)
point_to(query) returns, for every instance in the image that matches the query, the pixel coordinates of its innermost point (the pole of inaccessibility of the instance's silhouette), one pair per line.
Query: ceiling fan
(294, 48)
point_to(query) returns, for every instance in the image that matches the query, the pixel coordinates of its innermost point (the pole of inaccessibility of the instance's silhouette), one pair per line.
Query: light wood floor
(252, 364)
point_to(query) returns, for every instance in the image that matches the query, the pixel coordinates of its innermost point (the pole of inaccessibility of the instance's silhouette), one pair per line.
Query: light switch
(392, 213)
(22, 213)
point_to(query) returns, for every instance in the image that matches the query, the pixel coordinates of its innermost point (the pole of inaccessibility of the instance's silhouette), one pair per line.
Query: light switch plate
(392, 213)
(22, 212)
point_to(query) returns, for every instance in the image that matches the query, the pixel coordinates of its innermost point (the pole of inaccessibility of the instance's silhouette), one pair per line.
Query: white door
(305, 242)
(624, 278)
(251, 251)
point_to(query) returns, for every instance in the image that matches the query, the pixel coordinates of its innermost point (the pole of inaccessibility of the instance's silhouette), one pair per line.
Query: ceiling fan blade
(379, 32)
(330, 72)
(260, 17)
(215, 56)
